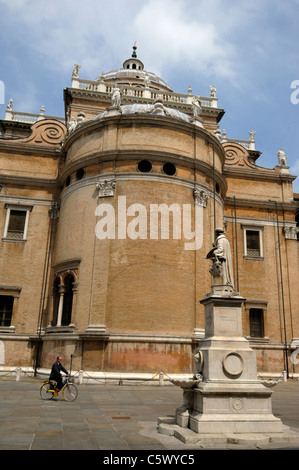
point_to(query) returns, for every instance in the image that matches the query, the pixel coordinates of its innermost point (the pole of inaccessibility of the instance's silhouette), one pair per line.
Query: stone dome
(132, 73)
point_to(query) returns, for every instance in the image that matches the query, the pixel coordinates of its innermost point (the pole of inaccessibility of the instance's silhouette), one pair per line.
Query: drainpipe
(236, 239)
(53, 217)
(282, 294)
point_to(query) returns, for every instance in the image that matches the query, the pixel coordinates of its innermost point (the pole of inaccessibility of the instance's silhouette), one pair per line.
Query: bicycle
(69, 390)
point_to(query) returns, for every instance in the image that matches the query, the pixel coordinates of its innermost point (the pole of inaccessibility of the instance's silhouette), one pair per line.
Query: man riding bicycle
(55, 373)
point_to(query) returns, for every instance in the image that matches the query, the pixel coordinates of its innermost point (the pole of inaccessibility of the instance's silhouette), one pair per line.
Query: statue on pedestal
(9, 106)
(282, 158)
(76, 69)
(196, 106)
(72, 124)
(116, 97)
(222, 267)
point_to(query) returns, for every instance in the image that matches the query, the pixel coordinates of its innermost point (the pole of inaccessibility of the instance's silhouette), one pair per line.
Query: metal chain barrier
(18, 372)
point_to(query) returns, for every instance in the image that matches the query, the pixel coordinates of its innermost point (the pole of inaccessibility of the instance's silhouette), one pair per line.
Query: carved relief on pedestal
(233, 364)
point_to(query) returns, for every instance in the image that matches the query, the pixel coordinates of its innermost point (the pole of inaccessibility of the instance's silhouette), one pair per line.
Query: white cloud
(207, 38)
(62, 32)
(294, 170)
(218, 36)
(174, 36)
(169, 33)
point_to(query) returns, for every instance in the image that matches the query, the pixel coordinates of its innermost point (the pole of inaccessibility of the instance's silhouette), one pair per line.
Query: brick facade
(130, 305)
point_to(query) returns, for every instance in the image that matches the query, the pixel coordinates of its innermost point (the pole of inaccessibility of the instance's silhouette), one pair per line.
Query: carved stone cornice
(260, 203)
(15, 146)
(257, 173)
(100, 96)
(27, 181)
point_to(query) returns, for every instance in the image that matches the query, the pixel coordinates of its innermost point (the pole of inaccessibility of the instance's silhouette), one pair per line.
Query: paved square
(105, 417)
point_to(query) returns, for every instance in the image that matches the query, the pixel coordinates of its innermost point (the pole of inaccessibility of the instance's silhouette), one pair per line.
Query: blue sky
(248, 50)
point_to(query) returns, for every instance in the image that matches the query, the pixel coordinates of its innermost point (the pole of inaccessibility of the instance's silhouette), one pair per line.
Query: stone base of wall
(123, 354)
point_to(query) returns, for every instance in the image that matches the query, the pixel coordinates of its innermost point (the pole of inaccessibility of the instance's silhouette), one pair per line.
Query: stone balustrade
(248, 144)
(27, 118)
(106, 88)
(146, 93)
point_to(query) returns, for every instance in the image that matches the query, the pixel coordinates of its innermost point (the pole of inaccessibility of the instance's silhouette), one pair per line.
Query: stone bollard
(161, 379)
(18, 374)
(81, 377)
(285, 379)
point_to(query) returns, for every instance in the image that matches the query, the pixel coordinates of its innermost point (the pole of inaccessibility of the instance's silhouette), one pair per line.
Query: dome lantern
(133, 63)
(133, 73)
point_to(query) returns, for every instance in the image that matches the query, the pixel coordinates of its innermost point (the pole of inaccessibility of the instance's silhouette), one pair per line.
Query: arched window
(55, 300)
(68, 300)
(63, 300)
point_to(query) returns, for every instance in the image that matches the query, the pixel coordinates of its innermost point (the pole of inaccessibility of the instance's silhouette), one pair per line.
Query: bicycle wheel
(44, 391)
(70, 392)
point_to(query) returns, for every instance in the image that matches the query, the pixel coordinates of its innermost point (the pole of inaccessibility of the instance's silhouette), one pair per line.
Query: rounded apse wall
(138, 281)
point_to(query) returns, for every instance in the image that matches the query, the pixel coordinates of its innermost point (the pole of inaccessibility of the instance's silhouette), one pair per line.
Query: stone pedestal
(230, 399)
(114, 110)
(197, 121)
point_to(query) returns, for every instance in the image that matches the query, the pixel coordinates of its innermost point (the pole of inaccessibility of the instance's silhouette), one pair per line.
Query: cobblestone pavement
(107, 417)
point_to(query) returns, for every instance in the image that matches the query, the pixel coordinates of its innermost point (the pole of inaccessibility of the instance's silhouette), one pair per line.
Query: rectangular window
(6, 306)
(253, 243)
(256, 321)
(253, 246)
(16, 223)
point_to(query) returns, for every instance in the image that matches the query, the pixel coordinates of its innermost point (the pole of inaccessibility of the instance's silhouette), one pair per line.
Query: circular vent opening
(144, 166)
(80, 174)
(169, 169)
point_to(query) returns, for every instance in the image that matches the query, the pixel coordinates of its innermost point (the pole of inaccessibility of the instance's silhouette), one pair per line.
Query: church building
(107, 216)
